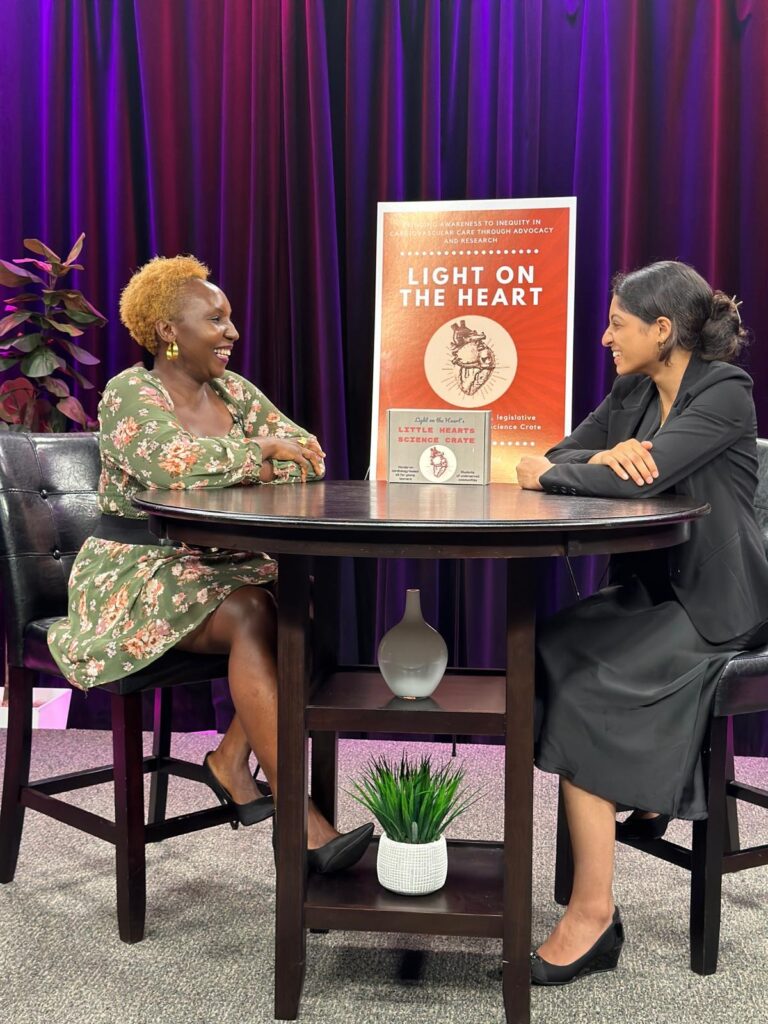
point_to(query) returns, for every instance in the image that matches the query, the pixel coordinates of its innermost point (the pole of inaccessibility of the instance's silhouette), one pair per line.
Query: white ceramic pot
(412, 655)
(412, 869)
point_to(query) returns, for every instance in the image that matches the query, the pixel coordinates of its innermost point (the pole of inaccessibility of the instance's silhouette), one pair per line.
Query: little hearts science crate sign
(438, 446)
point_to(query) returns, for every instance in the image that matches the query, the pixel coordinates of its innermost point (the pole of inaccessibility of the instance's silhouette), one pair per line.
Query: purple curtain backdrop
(260, 136)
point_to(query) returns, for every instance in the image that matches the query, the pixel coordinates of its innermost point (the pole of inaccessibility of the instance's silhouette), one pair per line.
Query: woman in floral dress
(186, 423)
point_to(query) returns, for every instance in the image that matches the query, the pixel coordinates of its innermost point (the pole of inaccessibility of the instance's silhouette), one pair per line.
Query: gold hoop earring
(171, 351)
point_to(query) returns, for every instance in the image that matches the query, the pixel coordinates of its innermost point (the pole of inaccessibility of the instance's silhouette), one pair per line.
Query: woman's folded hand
(629, 459)
(529, 469)
(306, 454)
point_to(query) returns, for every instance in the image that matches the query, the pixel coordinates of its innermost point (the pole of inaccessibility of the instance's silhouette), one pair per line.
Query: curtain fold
(261, 135)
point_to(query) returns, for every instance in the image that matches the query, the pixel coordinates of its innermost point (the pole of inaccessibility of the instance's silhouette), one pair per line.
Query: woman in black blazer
(627, 677)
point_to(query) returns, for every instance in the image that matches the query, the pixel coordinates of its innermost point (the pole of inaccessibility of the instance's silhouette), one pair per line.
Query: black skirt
(625, 686)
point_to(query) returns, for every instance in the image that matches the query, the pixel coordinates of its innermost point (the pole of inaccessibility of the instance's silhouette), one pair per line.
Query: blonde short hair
(153, 292)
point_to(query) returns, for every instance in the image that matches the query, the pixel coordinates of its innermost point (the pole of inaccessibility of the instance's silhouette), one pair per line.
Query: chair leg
(129, 816)
(161, 747)
(17, 756)
(563, 855)
(732, 840)
(709, 838)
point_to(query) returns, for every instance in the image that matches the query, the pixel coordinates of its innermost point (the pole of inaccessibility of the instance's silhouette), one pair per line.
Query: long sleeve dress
(130, 603)
(625, 678)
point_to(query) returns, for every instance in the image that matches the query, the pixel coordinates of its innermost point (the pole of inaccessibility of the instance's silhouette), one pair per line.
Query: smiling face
(634, 344)
(203, 331)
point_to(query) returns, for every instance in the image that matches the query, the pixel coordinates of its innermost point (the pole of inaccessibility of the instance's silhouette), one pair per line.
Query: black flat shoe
(341, 852)
(603, 956)
(247, 814)
(637, 827)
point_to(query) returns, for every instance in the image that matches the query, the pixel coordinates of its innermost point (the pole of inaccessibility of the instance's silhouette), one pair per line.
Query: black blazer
(706, 450)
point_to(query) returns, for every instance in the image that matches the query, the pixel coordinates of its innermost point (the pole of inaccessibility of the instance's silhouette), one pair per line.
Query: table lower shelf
(470, 902)
(467, 702)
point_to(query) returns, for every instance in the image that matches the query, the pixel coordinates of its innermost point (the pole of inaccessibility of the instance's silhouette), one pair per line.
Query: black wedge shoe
(603, 956)
(637, 827)
(247, 814)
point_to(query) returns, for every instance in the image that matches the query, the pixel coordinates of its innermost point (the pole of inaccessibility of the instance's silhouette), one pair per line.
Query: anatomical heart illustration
(437, 462)
(472, 356)
(470, 362)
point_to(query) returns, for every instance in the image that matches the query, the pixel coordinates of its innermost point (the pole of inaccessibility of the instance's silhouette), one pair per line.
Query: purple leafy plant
(39, 336)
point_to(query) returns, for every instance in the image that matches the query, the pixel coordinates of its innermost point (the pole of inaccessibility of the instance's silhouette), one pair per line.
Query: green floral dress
(130, 603)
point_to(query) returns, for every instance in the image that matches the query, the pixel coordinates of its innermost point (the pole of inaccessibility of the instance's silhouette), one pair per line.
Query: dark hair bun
(722, 335)
(703, 321)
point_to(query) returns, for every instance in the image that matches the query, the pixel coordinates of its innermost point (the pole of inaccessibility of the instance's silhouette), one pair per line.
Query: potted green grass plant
(414, 802)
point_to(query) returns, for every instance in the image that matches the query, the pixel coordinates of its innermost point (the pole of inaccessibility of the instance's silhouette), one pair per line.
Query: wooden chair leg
(732, 839)
(709, 837)
(17, 756)
(563, 855)
(129, 816)
(161, 747)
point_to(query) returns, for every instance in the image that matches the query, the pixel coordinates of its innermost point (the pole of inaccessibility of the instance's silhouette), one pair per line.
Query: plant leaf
(65, 328)
(9, 414)
(27, 342)
(64, 269)
(13, 276)
(81, 380)
(24, 297)
(7, 361)
(13, 320)
(41, 362)
(35, 245)
(72, 408)
(81, 318)
(57, 421)
(74, 252)
(82, 355)
(40, 264)
(17, 395)
(56, 386)
(76, 300)
(17, 384)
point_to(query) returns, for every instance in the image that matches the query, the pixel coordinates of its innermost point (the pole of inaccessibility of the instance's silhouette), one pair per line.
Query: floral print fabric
(130, 603)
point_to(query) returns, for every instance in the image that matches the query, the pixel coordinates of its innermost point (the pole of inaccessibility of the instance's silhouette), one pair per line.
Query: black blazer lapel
(625, 418)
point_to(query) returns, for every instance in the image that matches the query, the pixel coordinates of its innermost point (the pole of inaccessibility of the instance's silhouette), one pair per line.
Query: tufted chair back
(48, 506)
(761, 495)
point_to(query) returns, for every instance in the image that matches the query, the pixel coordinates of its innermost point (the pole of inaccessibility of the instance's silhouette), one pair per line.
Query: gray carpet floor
(208, 952)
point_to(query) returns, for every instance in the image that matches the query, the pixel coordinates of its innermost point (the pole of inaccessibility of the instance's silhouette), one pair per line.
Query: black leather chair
(48, 507)
(715, 848)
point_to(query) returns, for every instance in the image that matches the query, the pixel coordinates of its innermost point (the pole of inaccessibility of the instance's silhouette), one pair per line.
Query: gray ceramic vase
(412, 655)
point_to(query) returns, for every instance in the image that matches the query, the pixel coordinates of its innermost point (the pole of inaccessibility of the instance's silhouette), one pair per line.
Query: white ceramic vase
(412, 655)
(412, 869)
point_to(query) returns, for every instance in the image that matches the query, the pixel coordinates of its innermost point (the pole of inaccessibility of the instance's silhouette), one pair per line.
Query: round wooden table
(488, 892)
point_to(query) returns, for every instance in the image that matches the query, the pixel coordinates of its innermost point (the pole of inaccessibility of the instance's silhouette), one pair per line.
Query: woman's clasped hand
(629, 460)
(306, 453)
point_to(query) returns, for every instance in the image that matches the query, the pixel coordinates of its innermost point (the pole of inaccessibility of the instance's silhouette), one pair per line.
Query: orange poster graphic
(474, 310)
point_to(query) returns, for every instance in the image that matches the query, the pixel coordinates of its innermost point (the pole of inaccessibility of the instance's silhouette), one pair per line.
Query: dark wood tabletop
(336, 517)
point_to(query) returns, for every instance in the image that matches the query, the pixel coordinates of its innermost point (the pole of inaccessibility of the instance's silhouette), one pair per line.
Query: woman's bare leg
(244, 626)
(592, 825)
(230, 762)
